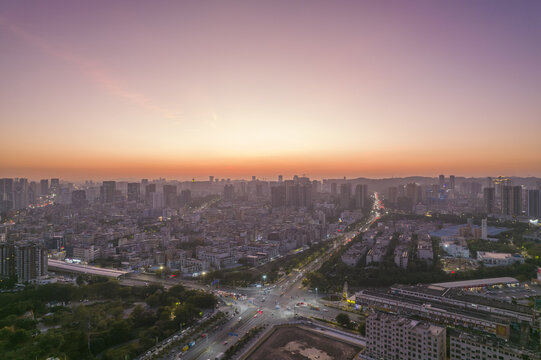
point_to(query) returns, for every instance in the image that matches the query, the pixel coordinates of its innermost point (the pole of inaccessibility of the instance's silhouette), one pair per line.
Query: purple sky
(235, 88)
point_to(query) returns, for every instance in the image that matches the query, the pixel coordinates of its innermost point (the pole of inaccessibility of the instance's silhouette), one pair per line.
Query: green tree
(343, 320)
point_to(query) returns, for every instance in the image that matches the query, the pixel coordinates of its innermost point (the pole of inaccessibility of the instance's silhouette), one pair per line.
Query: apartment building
(395, 337)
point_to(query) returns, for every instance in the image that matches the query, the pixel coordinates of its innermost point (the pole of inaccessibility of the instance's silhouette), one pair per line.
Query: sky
(183, 89)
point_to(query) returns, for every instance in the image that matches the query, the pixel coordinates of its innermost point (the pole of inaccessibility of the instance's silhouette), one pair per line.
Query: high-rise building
(134, 191)
(413, 192)
(185, 197)
(44, 187)
(489, 197)
(6, 194)
(361, 196)
(108, 191)
(345, 195)
(451, 182)
(392, 194)
(211, 179)
(533, 203)
(442, 181)
(20, 193)
(512, 200)
(278, 196)
(484, 229)
(149, 190)
(170, 195)
(78, 198)
(259, 189)
(396, 337)
(55, 185)
(334, 188)
(305, 195)
(30, 262)
(229, 192)
(7, 259)
(517, 200)
(280, 178)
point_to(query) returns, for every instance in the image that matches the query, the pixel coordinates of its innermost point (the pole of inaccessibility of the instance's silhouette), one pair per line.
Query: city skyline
(326, 89)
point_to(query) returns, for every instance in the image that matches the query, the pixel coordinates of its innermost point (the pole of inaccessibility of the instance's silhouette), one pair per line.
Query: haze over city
(329, 89)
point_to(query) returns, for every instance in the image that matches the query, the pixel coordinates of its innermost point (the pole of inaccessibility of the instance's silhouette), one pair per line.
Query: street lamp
(264, 278)
(316, 295)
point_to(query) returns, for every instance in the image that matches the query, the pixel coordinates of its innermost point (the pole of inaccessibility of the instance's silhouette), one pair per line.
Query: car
(226, 342)
(255, 315)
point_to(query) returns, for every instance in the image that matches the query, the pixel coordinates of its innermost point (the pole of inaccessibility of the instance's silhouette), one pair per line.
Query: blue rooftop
(453, 230)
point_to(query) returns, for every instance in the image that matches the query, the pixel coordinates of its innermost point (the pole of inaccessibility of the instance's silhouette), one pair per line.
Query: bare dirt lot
(296, 343)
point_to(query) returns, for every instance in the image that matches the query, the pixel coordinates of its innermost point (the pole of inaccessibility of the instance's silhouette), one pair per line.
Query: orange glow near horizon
(327, 89)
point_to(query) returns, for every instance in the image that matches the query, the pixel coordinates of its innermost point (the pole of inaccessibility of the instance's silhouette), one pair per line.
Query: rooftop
(477, 282)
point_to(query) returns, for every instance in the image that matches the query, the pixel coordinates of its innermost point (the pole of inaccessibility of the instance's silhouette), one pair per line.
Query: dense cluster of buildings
(378, 243)
(409, 322)
(496, 196)
(190, 226)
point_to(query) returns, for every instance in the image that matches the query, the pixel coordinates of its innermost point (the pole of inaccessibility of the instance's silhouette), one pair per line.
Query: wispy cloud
(91, 69)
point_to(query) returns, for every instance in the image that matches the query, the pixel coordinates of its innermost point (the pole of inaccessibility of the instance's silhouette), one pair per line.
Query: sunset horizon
(345, 89)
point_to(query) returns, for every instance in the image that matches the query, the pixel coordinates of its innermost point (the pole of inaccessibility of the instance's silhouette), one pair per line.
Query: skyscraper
(345, 195)
(278, 196)
(6, 194)
(30, 262)
(517, 200)
(108, 191)
(451, 182)
(533, 203)
(149, 190)
(489, 197)
(78, 198)
(185, 197)
(44, 187)
(134, 191)
(442, 181)
(361, 195)
(7, 259)
(170, 195)
(229, 192)
(55, 184)
(507, 199)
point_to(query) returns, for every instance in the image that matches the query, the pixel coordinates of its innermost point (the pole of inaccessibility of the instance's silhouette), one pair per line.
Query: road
(273, 305)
